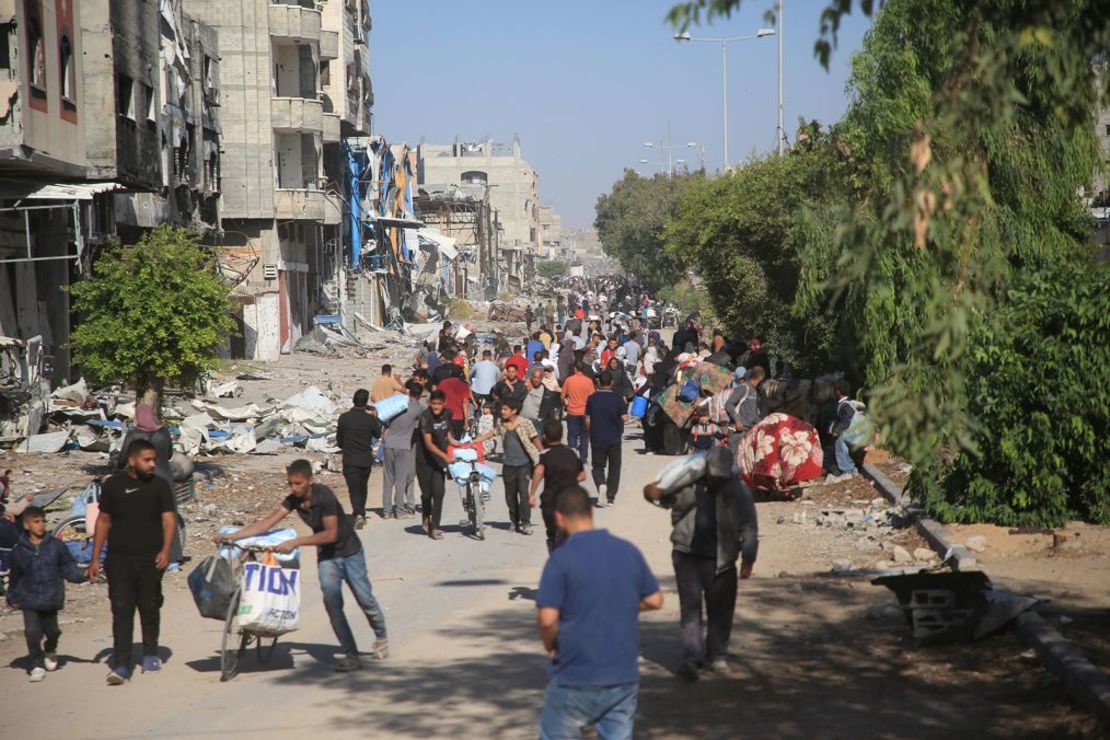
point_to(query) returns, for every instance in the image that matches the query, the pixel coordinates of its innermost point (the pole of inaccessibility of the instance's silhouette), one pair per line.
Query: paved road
(466, 661)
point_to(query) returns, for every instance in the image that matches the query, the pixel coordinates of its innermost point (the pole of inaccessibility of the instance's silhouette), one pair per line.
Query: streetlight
(724, 42)
(670, 152)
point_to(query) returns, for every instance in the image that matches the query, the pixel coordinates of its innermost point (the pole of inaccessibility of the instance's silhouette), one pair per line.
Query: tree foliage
(744, 234)
(631, 221)
(552, 268)
(153, 313)
(967, 141)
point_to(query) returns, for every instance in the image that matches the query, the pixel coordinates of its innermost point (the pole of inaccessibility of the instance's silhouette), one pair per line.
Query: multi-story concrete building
(188, 122)
(514, 192)
(280, 205)
(551, 227)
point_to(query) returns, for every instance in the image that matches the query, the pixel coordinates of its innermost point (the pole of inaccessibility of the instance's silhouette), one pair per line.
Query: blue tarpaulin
(354, 204)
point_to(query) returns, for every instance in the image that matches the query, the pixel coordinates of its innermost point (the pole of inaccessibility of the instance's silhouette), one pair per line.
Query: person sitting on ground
(713, 524)
(40, 566)
(589, 623)
(559, 468)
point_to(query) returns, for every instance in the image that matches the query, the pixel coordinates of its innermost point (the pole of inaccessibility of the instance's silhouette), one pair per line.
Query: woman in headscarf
(621, 382)
(148, 427)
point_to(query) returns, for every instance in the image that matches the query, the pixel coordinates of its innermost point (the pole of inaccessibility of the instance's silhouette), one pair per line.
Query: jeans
(517, 479)
(612, 478)
(133, 582)
(36, 626)
(844, 456)
(351, 569)
(576, 437)
(432, 486)
(357, 478)
(397, 477)
(698, 581)
(567, 710)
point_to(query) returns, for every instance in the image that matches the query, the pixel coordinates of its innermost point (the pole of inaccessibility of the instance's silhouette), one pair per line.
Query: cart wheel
(234, 644)
(264, 646)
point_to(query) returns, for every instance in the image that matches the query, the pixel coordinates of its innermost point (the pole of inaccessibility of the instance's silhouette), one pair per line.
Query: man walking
(744, 407)
(589, 623)
(577, 390)
(483, 376)
(714, 523)
(385, 386)
(339, 558)
(539, 400)
(559, 468)
(431, 463)
(138, 523)
(606, 414)
(399, 471)
(355, 435)
(521, 445)
(511, 388)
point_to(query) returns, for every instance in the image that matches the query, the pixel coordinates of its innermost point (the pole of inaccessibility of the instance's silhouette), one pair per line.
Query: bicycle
(230, 653)
(474, 498)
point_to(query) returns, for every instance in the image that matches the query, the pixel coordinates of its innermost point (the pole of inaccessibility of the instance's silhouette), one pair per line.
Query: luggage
(639, 407)
(270, 599)
(213, 586)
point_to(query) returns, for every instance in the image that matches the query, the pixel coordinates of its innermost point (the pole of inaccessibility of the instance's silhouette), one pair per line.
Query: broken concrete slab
(44, 443)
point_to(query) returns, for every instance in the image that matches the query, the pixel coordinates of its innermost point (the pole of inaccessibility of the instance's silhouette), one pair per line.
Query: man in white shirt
(484, 375)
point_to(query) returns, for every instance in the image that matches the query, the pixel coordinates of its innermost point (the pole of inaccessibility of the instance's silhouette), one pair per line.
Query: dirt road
(821, 655)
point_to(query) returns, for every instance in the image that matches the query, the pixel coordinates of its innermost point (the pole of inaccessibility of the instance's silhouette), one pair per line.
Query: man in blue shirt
(589, 623)
(606, 413)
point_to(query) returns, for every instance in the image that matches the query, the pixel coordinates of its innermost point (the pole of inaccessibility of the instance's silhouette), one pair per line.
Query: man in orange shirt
(577, 389)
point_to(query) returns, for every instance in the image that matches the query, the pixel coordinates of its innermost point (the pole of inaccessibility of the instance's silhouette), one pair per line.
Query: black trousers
(432, 486)
(517, 479)
(611, 457)
(357, 477)
(134, 582)
(554, 536)
(699, 582)
(36, 626)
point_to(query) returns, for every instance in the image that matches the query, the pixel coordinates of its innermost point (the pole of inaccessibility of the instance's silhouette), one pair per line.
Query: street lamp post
(669, 149)
(724, 42)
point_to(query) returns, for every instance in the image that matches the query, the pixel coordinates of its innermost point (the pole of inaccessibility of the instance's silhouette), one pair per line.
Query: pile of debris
(78, 419)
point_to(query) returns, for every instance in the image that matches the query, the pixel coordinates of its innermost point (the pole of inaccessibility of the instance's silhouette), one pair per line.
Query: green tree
(153, 313)
(552, 268)
(744, 233)
(631, 221)
(969, 137)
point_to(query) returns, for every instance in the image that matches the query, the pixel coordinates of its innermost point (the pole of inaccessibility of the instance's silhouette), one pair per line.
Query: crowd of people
(553, 404)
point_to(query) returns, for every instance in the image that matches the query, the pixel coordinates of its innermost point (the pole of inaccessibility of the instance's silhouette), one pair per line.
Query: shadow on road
(810, 664)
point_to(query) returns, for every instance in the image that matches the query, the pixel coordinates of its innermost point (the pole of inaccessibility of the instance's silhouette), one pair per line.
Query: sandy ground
(821, 653)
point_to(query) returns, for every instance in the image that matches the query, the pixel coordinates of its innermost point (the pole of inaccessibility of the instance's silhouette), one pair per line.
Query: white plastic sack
(681, 472)
(270, 602)
(390, 408)
(267, 539)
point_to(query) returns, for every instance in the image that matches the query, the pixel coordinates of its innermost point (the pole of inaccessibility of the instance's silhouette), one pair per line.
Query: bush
(1040, 392)
(689, 298)
(460, 309)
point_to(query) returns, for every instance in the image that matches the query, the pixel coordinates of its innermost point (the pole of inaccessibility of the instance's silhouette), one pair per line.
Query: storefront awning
(59, 191)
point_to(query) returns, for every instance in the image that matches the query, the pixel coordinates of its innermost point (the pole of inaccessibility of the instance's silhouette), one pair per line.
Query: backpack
(690, 391)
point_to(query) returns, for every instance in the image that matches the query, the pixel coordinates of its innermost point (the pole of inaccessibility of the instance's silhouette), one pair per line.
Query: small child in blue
(40, 565)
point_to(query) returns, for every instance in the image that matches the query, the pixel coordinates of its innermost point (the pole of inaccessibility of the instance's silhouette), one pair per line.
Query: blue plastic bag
(392, 407)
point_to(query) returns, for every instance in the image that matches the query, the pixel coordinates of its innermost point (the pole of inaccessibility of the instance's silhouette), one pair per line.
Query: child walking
(40, 566)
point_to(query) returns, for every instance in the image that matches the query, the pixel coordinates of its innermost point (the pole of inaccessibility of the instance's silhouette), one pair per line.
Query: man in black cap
(714, 524)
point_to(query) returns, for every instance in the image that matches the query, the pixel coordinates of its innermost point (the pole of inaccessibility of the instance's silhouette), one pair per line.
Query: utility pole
(724, 98)
(782, 129)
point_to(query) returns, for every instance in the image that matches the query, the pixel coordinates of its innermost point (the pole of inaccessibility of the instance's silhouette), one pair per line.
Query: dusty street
(822, 654)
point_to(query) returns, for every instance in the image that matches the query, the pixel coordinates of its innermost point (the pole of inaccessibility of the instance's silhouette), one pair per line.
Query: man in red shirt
(519, 360)
(457, 401)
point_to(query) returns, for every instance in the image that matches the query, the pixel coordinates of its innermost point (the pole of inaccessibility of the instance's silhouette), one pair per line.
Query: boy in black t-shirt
(432, 461)
(138, 522)
(339, 557)
(559, 468)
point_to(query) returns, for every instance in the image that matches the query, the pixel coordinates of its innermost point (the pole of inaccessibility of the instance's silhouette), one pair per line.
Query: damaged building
(295, 81)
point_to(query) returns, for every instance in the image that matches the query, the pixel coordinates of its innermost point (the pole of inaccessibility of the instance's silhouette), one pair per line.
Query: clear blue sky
(584, 83)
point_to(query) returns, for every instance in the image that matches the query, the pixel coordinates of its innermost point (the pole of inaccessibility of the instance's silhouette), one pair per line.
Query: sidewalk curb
(933, 531)
(1085, 683)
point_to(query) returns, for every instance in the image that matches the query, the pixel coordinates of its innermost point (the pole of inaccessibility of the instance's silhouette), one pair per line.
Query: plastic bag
(392, 407)
(213, 586)
(232, 552)
(270, 600)
(690, 391)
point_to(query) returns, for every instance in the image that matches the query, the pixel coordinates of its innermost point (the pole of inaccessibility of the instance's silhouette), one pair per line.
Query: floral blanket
(779, 452)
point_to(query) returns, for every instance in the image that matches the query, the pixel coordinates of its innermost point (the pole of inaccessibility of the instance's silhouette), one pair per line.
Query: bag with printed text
(270, 601)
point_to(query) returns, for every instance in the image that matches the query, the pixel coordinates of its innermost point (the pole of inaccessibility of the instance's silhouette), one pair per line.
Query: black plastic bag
(213, 586)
